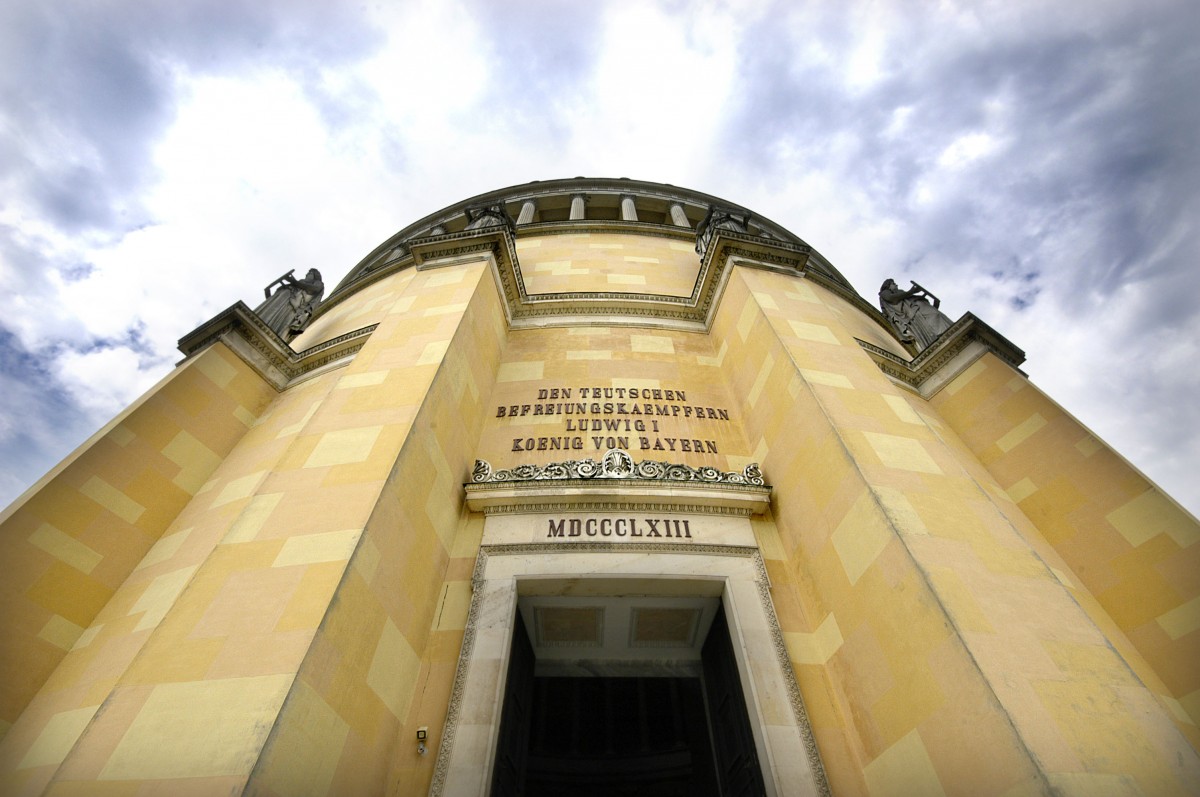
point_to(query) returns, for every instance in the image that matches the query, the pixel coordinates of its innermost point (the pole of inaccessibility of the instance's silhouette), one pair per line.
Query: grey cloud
(542, 53)
(1085, 214)
(87, 90)
(49, 422)
(79, 106)
(1098, 133)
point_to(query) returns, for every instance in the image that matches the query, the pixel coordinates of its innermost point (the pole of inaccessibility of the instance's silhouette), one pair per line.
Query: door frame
(782, 735)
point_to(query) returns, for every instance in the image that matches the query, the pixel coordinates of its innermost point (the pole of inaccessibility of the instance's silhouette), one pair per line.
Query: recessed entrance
(634, 625)
(606, 736)
(583, 716)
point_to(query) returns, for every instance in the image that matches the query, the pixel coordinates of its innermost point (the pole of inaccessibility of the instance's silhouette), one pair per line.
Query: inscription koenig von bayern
(620, 414)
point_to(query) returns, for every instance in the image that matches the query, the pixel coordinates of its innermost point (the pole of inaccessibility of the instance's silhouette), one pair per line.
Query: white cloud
(981, 149)
(103, 381)
(966, 149)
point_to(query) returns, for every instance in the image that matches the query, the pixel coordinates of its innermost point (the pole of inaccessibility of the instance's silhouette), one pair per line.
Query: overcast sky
(1035, 163)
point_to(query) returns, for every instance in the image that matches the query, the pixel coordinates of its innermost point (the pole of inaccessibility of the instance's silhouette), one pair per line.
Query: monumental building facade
(597, 486)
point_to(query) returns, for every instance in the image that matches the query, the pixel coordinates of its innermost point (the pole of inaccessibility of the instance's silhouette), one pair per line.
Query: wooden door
(512, 750)
(733, 742)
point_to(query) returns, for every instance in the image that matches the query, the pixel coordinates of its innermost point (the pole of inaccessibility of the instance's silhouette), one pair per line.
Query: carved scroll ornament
(616, 464)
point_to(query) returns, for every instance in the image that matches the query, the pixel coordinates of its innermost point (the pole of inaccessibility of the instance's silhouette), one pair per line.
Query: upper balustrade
(581, 203)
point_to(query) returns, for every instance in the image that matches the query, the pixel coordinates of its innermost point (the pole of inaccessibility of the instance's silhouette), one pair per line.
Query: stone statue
(482, 216)
(717, 219)
(290, 308)
(911, 313)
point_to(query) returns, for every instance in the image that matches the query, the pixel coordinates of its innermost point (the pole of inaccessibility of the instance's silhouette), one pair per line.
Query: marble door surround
(592, 571)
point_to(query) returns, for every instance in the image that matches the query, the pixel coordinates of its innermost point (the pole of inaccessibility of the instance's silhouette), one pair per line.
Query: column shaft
(628, 209)
(528, 208)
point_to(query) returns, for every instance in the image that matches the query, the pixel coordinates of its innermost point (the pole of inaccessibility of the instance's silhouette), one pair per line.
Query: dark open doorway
(651, 736)
(614, 736)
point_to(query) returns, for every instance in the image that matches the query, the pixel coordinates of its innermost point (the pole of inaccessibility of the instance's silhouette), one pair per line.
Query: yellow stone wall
(938, 651)
(195, 654)
(863, 631)
(270, 593)
(383, 660)
(607, 262)
(1134, 551)
(368, 306)
(71, 541)
(160, 638)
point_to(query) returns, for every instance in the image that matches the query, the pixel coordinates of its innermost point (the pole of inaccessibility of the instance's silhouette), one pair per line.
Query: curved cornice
(453, 218)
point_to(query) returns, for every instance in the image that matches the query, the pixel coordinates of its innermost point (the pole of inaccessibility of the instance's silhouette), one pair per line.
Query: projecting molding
(239, 328)
(953, 352)
(691, 313)
(616, 482)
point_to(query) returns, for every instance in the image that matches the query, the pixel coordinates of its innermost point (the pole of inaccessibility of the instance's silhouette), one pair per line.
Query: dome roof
(581, 204)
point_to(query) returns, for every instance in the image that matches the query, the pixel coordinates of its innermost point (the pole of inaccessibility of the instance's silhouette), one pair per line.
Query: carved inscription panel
(602, 418)
(633, 526)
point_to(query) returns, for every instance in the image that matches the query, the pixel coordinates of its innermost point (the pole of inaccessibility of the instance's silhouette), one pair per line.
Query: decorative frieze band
(616, 464)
